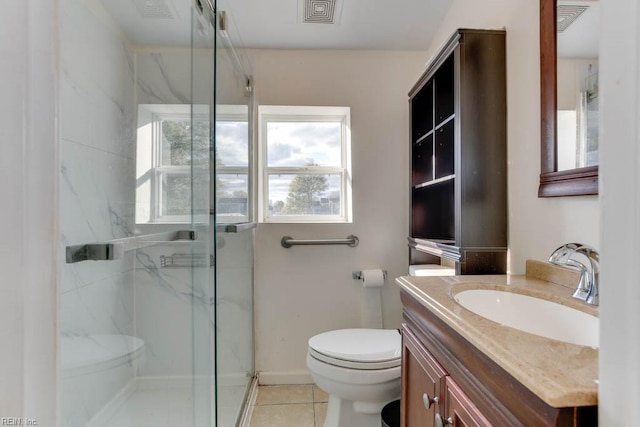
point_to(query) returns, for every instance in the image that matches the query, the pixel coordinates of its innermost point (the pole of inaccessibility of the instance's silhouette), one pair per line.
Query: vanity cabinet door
(460, 411)
(422, 384)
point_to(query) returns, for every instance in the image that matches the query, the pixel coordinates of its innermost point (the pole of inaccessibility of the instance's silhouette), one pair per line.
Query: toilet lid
(359, 345)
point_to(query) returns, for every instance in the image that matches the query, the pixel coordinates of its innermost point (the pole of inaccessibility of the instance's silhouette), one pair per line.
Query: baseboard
(281, 378)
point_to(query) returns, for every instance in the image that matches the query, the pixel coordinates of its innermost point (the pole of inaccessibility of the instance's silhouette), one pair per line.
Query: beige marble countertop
(561, 374)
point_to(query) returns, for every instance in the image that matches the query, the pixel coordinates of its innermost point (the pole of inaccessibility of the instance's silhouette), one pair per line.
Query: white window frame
(236, 113)
(280, 113)
(149, 152)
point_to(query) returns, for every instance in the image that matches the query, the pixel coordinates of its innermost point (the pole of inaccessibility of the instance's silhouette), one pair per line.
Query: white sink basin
(533, 315)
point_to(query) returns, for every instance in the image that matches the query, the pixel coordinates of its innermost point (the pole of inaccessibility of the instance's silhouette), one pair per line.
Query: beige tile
(279, 394)
(320, 413)
(295, 415)
(319, 395)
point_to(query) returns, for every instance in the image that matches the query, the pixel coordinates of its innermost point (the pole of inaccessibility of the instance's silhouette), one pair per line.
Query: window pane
(232, 143)
(201, 151)
(176, 195)
(176, 191)
(300, 144)
(232, 195)
(176, 142)
(304, 194)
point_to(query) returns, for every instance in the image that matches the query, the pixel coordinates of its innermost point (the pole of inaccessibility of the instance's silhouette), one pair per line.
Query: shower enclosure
(156, 309)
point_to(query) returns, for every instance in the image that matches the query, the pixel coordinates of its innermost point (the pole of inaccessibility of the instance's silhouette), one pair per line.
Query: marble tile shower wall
(97, 187)
(164, 76)
(234, 299)
(164, 304)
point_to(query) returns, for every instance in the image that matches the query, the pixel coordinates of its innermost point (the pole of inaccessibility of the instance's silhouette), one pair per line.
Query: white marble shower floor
(170, 406)
(155, 408)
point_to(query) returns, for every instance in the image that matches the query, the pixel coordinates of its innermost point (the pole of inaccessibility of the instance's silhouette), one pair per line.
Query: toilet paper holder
(357, 275)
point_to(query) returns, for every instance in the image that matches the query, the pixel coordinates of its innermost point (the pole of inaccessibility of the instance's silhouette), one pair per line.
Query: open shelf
(433, 213)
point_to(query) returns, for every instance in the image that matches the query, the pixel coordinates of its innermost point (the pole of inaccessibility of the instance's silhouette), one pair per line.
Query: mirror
(569, 97)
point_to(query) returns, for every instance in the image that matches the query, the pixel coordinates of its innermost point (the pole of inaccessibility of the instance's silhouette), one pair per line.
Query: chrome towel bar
(235, 228)
(115, 249)
(351, 241)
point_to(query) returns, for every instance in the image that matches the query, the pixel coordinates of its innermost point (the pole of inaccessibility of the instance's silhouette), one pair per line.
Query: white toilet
(360, 370)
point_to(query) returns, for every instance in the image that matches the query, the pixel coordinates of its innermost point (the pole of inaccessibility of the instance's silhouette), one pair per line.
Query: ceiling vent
(154, 9)
(566, 14)
(319, 11)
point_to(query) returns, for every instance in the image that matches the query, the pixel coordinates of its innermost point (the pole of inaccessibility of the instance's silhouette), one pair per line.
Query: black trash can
(391, 414)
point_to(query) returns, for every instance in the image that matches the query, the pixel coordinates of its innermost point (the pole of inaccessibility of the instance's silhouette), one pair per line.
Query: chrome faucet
(587, 289)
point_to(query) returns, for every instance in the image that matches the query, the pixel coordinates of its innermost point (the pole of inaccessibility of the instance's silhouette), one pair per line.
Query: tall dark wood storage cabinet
(458, 151)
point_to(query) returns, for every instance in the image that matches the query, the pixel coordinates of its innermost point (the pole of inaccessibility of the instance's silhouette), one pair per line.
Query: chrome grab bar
(115, 249)
(351, 241)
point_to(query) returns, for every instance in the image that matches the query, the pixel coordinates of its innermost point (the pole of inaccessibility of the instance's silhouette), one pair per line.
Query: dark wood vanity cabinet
(446, 381)
(458, 156)
(429, 396)
(423, 382)
(460, 410)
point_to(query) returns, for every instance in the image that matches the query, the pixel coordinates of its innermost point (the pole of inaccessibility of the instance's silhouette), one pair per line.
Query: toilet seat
(362, 349)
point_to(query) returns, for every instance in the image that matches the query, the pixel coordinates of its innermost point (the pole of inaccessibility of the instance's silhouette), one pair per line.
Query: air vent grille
(566, 14)
(154, 9)
(319, 11)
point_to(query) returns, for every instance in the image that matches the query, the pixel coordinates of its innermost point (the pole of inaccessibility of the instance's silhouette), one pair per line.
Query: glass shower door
(203, 281)
(234, 229)
(137, 295)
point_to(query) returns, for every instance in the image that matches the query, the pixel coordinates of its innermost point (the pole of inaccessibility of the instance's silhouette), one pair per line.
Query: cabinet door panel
(423, 381)
(460, 409)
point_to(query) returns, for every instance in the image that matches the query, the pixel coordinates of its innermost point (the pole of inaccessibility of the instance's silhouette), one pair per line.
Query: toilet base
(347, 413)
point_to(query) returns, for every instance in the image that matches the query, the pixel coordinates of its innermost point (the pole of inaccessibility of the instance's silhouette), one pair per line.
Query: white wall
(28, 248)
(536, 226)
(302, 291)
(619, 390)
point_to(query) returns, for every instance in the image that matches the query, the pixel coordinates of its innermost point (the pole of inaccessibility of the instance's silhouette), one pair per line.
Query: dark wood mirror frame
(554, 183)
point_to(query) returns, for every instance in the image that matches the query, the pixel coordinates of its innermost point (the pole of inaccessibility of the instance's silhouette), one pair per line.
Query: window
(172, 164)
(232, 164)
(305, 164)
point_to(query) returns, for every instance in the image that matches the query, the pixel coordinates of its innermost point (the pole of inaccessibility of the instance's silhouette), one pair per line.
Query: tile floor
(289, 406)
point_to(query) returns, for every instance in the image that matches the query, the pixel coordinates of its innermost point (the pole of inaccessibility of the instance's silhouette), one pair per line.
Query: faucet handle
(589, 252)
(584, 284)
(563, 253)
(587, 289)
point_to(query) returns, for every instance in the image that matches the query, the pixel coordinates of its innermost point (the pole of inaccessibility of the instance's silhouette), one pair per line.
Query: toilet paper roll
(373, 280)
